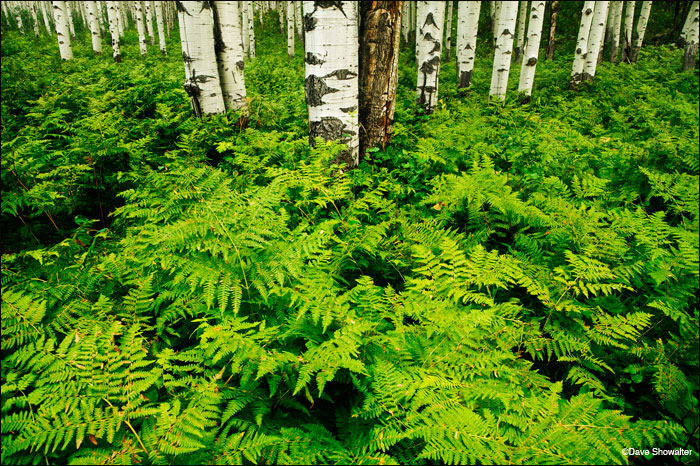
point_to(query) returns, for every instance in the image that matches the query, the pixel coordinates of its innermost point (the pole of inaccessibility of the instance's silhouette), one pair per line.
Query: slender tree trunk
(627, 34)
(594, 39)
(532, 49)
(245, 29)
(405, 19)
(496, 18)
(140, 27)
(201, 72)
(69, 16)
(691, 47)
(467, 28)
(251, 29)
(290, 29)
(428, 50)
(149, 22)
(687, 24)
(297, 20)
(45, 15)
(641, 30)
(283, 12)
(62, 30)
(112, 14)
(448, 31)
(520, 31)
(229, 53)
(35, 20)
(158, 7)
(94, 28)
(582, 43)
(331, 70)
(551, 44)
(503, 52)
(617, 24)
(380, 28)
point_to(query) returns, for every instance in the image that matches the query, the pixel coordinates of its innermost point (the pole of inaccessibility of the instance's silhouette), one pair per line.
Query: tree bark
(616, 26)
(69, 16)
(551, 44)
(201, 72)
(532, 49)
(331, 46)
(691, 48)
(503, 51)
(251, 29)
(229, 53)
(467, 28)
(641, 30)
(430, 21)
(520, 31)
(62, 30)
(290, 28)
(94, 28)
(687, 24)
(380, 35)
(45, 15)
(157, 6)
(112, 14)
(149, 22)
(594, 39)
(448, 30)
(582, 44)
(627, 34)
(140, 27)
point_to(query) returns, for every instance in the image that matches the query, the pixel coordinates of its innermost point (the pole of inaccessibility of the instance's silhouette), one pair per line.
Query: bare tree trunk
(691, 48)
(627, 34)
(229, 53)
(520, 31)
(430, 17)
(112, 14)
(331, 47)
(616, 26)
(551, 44)
(448, 31)
(69, 16)
(140, 27)
(503, 51)
(94, 28)
(380, 34)
(594, 39)
(290, 28)
(582, 43)
(158, 7)
(467, 28)
(251, 29)
(641, 30)
(532, 49)
(62, 30)
(149, 22)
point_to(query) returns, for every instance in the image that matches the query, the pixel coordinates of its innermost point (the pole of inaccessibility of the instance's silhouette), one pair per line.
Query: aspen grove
(350, 232)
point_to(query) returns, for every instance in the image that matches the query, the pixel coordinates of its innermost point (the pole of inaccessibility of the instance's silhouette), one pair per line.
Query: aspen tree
(687, 24)
(594, 39)
(201, 71)
(157, 6)
(251, 29)
(448, 31)
(380, 35)
(532, 49)
(691, 47)
(94, 28)
(62, 29)
(616, 26)
(412, 23)
(520, 31)
(149, 22)
(430, 17)
(551, 44)
(582, 43)
(45, 15)
(503, 51)
(229, 53)
(112, 15)
(297, 20)
(467, 28)
(495, 17)
(290, 29)
(282, 13)
(641, 30)
(120, 19)
(244, 28)
(69, 16)
(627, 33)
(138, 11)
(35, 19)
(331, 69)
(405, 19)
(18, 18)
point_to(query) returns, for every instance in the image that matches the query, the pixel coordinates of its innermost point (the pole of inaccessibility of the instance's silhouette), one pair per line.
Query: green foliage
(497, 286)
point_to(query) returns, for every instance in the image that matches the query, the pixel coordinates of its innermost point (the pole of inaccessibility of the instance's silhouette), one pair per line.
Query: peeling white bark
(62, 29)
(594, 39)
(641, 30)
(140, 27)
(94, 28)
(229, 54)
(503, 51)
(244, 28)
(582, 42)
(430, 17)
(532, 48)
(467, 28)
(688, 23)
(201, 71)
(35, 20)
(331, 46)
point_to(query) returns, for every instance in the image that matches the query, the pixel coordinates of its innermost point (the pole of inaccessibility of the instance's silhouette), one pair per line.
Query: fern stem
(143, 447)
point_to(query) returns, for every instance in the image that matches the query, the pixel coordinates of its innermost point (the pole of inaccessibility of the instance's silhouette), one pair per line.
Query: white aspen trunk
(149, 22)
(691, 37)
(520, 31)
(582, 43)
(687, 24)
(448, 31)
(83, 14)
(69, 15)
(431, 17)
(261, 10)
(157, 6)
(532, 48)
(279, 6)
(496, 18)
(251, 29)
(244, 28)
(120, 19)
(45, 15)
(503, 51)
(405, 19)
(18, 18)
(331, 69)
(229, 54)
(201, 70)
(298, 20)
(412, 24)
(35, 19)
(616, 26)
(627, 34)
(641, 30)
(94, 28)
(62, 30)
(290, 28)
(594, 39)
(140, 27)
(467, 28)
(112, 15)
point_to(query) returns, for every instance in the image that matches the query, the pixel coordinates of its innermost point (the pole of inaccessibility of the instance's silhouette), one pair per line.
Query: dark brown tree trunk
(380, 33)
(554, 12)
